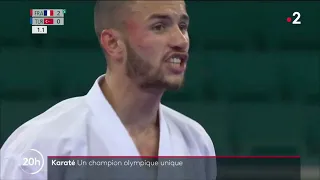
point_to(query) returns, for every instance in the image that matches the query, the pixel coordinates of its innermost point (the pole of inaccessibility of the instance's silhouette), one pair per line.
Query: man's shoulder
(189, 128)
(59, 124)
(182, 120)
(58, 117)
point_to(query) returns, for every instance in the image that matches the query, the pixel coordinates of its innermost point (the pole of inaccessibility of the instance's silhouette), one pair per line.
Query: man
(146, 45)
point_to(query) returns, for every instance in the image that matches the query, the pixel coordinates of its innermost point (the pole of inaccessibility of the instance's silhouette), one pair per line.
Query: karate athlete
(146, 46)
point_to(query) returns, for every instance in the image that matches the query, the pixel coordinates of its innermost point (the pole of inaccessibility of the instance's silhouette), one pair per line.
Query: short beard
(141, 71)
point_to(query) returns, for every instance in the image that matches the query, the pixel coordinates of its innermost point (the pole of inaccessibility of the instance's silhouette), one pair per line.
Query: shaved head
(110, 14)
(146, 42)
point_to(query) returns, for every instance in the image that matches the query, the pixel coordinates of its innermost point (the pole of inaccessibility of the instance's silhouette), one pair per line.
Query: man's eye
(158, 27)
(183, 27)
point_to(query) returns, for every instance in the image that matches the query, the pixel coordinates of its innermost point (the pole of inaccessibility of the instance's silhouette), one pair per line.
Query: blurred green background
(253, 80)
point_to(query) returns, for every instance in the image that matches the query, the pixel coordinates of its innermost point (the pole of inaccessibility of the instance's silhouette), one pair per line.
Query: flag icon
(48, 12)
(48, 21)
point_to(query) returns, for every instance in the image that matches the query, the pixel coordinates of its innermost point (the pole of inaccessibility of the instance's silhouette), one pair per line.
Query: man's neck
(137, 109)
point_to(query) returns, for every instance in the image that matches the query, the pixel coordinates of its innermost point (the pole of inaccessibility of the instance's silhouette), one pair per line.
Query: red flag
(48, 20)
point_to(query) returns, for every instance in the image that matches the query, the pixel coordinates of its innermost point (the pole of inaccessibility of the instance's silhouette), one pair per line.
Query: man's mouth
(175, 60)
(178, 62)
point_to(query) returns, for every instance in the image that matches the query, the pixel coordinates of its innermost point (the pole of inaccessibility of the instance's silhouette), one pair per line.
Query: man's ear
(111, 42)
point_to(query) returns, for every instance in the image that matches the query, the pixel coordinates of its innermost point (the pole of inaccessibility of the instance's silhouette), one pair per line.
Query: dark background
(253, 80)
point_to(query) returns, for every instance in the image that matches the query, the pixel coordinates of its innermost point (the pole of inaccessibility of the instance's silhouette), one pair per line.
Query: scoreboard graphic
(40, 19)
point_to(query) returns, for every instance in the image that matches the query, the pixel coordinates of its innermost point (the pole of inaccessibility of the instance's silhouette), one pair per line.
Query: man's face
(157, 44)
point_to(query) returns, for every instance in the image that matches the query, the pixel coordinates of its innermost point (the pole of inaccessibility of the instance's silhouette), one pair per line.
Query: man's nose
(179, 40)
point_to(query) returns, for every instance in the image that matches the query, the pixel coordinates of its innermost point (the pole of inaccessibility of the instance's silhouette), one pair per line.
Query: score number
(297, 16)
(39, 30)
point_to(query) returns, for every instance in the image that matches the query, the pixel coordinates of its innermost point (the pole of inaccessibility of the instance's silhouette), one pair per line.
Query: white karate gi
(88, 126)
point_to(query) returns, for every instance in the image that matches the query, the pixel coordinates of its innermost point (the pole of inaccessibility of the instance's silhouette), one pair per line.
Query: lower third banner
(173, 168)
